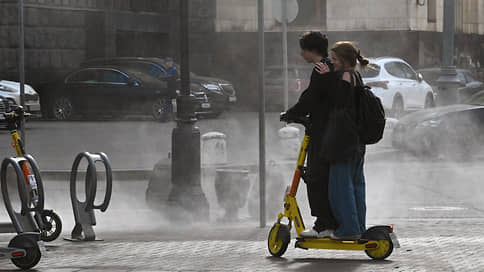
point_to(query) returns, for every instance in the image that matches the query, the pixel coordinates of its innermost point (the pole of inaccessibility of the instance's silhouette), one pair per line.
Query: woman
(346, 179)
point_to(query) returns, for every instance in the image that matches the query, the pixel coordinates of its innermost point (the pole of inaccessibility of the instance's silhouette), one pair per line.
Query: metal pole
(448, 33)
(21, 63)
(448, 81)
(284, 52)
(186, 196)
(262, 132)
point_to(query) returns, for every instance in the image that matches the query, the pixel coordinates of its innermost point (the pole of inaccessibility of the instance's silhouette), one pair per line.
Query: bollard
(231, 188)
(290, 142)
(214, 148)
(84, 211)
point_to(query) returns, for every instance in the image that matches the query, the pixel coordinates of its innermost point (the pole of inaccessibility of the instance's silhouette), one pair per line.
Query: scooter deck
(327, 243)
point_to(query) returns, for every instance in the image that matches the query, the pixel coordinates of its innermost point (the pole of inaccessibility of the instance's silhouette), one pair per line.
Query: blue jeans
(347, 196)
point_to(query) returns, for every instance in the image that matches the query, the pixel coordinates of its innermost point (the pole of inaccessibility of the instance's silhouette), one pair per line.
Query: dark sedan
(109, 90)
(450, 131)
(220, 93)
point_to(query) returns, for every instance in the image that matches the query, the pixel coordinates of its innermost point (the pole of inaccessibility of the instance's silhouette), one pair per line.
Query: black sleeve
(311, 97)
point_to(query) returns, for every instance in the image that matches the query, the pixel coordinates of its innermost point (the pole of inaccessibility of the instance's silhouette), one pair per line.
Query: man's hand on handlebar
(283, 116)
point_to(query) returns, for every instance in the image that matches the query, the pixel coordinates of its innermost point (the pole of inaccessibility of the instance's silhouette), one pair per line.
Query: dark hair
(314, 41)
(348, 54)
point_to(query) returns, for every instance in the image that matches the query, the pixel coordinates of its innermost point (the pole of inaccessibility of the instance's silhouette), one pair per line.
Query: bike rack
(24, 221)
(84, 211)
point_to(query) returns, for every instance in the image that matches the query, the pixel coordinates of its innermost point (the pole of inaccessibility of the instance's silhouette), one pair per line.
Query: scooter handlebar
(285, 117)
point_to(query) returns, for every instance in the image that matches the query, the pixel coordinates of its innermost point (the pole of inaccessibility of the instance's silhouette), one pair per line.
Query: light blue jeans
(347, 196)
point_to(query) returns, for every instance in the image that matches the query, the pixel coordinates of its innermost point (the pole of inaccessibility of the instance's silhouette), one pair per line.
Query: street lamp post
(186, 197)
(448, 81)
(21, 64)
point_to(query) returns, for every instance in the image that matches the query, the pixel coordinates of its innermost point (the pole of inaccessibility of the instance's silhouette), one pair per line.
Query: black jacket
(315, 103)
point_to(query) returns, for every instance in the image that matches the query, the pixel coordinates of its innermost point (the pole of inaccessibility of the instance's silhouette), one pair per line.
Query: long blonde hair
(349, 54)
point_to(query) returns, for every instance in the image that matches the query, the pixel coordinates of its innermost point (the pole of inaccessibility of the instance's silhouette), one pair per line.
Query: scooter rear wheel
(382, 252)
(52, 226)
(278, 240)
(32, 250)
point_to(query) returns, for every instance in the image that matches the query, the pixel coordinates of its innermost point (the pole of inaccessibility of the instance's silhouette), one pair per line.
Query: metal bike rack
(22, 221)
(84, 211)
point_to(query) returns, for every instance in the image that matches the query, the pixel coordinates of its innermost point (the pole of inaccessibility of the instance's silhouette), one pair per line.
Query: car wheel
(62, 108)
(161, 110)
(429, 101)
(397, 107)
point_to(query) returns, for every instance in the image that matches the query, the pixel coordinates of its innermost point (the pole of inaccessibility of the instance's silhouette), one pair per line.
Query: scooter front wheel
(384, 249)
(278, 240)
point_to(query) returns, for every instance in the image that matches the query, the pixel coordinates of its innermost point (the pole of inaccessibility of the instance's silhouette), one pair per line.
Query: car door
(417, 90)
(114, 92)
(397, 82)
(81, 89)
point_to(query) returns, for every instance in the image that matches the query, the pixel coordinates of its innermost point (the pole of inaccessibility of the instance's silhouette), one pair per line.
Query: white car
(11, 90)
(398, 86)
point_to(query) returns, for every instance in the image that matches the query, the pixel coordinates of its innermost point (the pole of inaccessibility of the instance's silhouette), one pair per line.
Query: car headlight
(429, 124)
(212, 87)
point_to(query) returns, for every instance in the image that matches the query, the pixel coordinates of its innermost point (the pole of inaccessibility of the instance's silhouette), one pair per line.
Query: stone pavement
(427, 245)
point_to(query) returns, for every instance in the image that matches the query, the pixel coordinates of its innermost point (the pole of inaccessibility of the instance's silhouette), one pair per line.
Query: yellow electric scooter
(377, 242)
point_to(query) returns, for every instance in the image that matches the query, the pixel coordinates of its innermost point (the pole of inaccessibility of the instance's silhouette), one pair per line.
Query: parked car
(298, 81)
(468, 84)
(110, 90)
(398, 86)
(221, 93)
(5, 105)
(11, 90)
(455, 130)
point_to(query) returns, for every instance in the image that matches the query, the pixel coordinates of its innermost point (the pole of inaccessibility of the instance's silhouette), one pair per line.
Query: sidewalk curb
(145, 174)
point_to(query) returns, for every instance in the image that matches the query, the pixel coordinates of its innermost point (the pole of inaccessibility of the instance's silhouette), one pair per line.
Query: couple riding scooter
(346, 188)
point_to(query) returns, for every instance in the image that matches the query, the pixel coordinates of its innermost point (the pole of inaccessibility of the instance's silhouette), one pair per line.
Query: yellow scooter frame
(378, 242)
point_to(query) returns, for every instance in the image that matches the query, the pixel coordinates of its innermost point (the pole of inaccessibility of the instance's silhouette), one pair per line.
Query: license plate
(394, 239)
(232, 99)
(205, 105)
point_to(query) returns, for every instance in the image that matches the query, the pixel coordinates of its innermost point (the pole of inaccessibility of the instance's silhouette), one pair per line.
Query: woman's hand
(321, 68)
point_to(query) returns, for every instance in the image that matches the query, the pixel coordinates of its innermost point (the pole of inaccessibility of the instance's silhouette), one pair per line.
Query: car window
(110, 76)
(462, 78)
(394, 69)
(84, 76)
(408, 72)
(148, 68)
(371, 70)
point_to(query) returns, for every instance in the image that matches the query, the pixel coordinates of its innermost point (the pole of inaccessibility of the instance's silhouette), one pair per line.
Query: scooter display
(378, 242)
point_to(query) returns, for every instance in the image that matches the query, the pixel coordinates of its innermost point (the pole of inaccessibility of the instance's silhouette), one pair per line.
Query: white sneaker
(309, 233)
(325, 233)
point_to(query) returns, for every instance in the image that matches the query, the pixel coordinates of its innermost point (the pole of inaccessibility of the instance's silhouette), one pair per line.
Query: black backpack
(370, 113)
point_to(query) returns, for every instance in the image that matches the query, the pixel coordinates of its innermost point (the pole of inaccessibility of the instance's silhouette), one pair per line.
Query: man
(314, 49)
(170, 66)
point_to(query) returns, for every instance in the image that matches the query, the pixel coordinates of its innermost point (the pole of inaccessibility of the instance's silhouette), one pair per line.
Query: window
(431, 11)
(109, 76)
(394, 70)
(462, 78)
(84, 76)
(400, 70)
(409, 73)
(372, 70)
